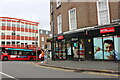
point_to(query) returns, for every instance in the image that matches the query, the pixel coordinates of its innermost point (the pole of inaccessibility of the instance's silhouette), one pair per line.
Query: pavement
(91, 66)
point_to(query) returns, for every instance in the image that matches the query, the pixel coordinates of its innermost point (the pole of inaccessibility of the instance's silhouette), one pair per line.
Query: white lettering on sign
(13, 56)
(74, 39)
(107, 30)
(60, 37)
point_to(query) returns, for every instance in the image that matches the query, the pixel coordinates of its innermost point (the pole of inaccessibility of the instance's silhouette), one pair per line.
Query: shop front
(106, 43)
(70, 47)
(60, 49)
(96, 44)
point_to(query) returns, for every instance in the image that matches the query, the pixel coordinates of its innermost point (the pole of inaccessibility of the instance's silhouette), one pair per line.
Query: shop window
(98, 47)
(81, 50)
(104, 48)
(69, 53)
(117, 47)
(56, 55)
(61, 50)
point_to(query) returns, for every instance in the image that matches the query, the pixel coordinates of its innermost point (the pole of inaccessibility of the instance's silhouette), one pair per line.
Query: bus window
(9, 52)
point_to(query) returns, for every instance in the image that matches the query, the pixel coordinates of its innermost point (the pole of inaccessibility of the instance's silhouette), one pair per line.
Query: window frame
(75, 16)
(107, 13)
(58, 2)
(43, 39)
(59, 23)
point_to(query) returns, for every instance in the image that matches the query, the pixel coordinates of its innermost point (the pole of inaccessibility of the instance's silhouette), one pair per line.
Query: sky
(32, 10)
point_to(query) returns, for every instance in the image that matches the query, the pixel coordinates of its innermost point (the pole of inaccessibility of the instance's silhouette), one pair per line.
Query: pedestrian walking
(46, 56)
(41, 56)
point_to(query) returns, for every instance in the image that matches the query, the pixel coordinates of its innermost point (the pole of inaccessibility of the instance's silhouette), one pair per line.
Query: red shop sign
(60, 37)
(107, 30)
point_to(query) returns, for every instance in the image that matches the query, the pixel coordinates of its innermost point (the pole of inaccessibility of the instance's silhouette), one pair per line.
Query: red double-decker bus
(13, 53)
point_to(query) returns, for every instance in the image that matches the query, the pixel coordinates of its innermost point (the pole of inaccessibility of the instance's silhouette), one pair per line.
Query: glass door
(81, 49)
(75, 50)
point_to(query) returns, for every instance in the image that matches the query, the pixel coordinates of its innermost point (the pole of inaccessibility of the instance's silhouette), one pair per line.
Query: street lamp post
(52, 33)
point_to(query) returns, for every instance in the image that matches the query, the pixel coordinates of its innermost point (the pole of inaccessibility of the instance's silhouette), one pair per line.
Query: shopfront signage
(107, 30)
(74, 39)
(116, 20)
(60, 37)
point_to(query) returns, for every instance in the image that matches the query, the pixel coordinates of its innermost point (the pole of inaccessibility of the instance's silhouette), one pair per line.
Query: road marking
(19, 62)
(54, 68)
(105, 74)
(8, 75)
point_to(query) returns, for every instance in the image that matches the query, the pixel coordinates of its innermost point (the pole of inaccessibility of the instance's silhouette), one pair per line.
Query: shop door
(81, 49)
(75, 50)
(69, 50)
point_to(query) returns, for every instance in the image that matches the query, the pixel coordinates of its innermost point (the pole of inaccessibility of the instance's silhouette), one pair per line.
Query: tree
(49, 40)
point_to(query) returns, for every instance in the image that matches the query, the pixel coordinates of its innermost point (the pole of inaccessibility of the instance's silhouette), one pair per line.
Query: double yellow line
(95, 73)
(105, 74)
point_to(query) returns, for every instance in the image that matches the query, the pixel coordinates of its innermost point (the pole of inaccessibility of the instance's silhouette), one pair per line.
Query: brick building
(43, 36)
(77, 26)
(18, 33)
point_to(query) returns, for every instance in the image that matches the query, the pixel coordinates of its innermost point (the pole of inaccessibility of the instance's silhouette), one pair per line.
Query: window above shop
(72, 19)
(103, 12)
(58, 3)
(59, 23)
